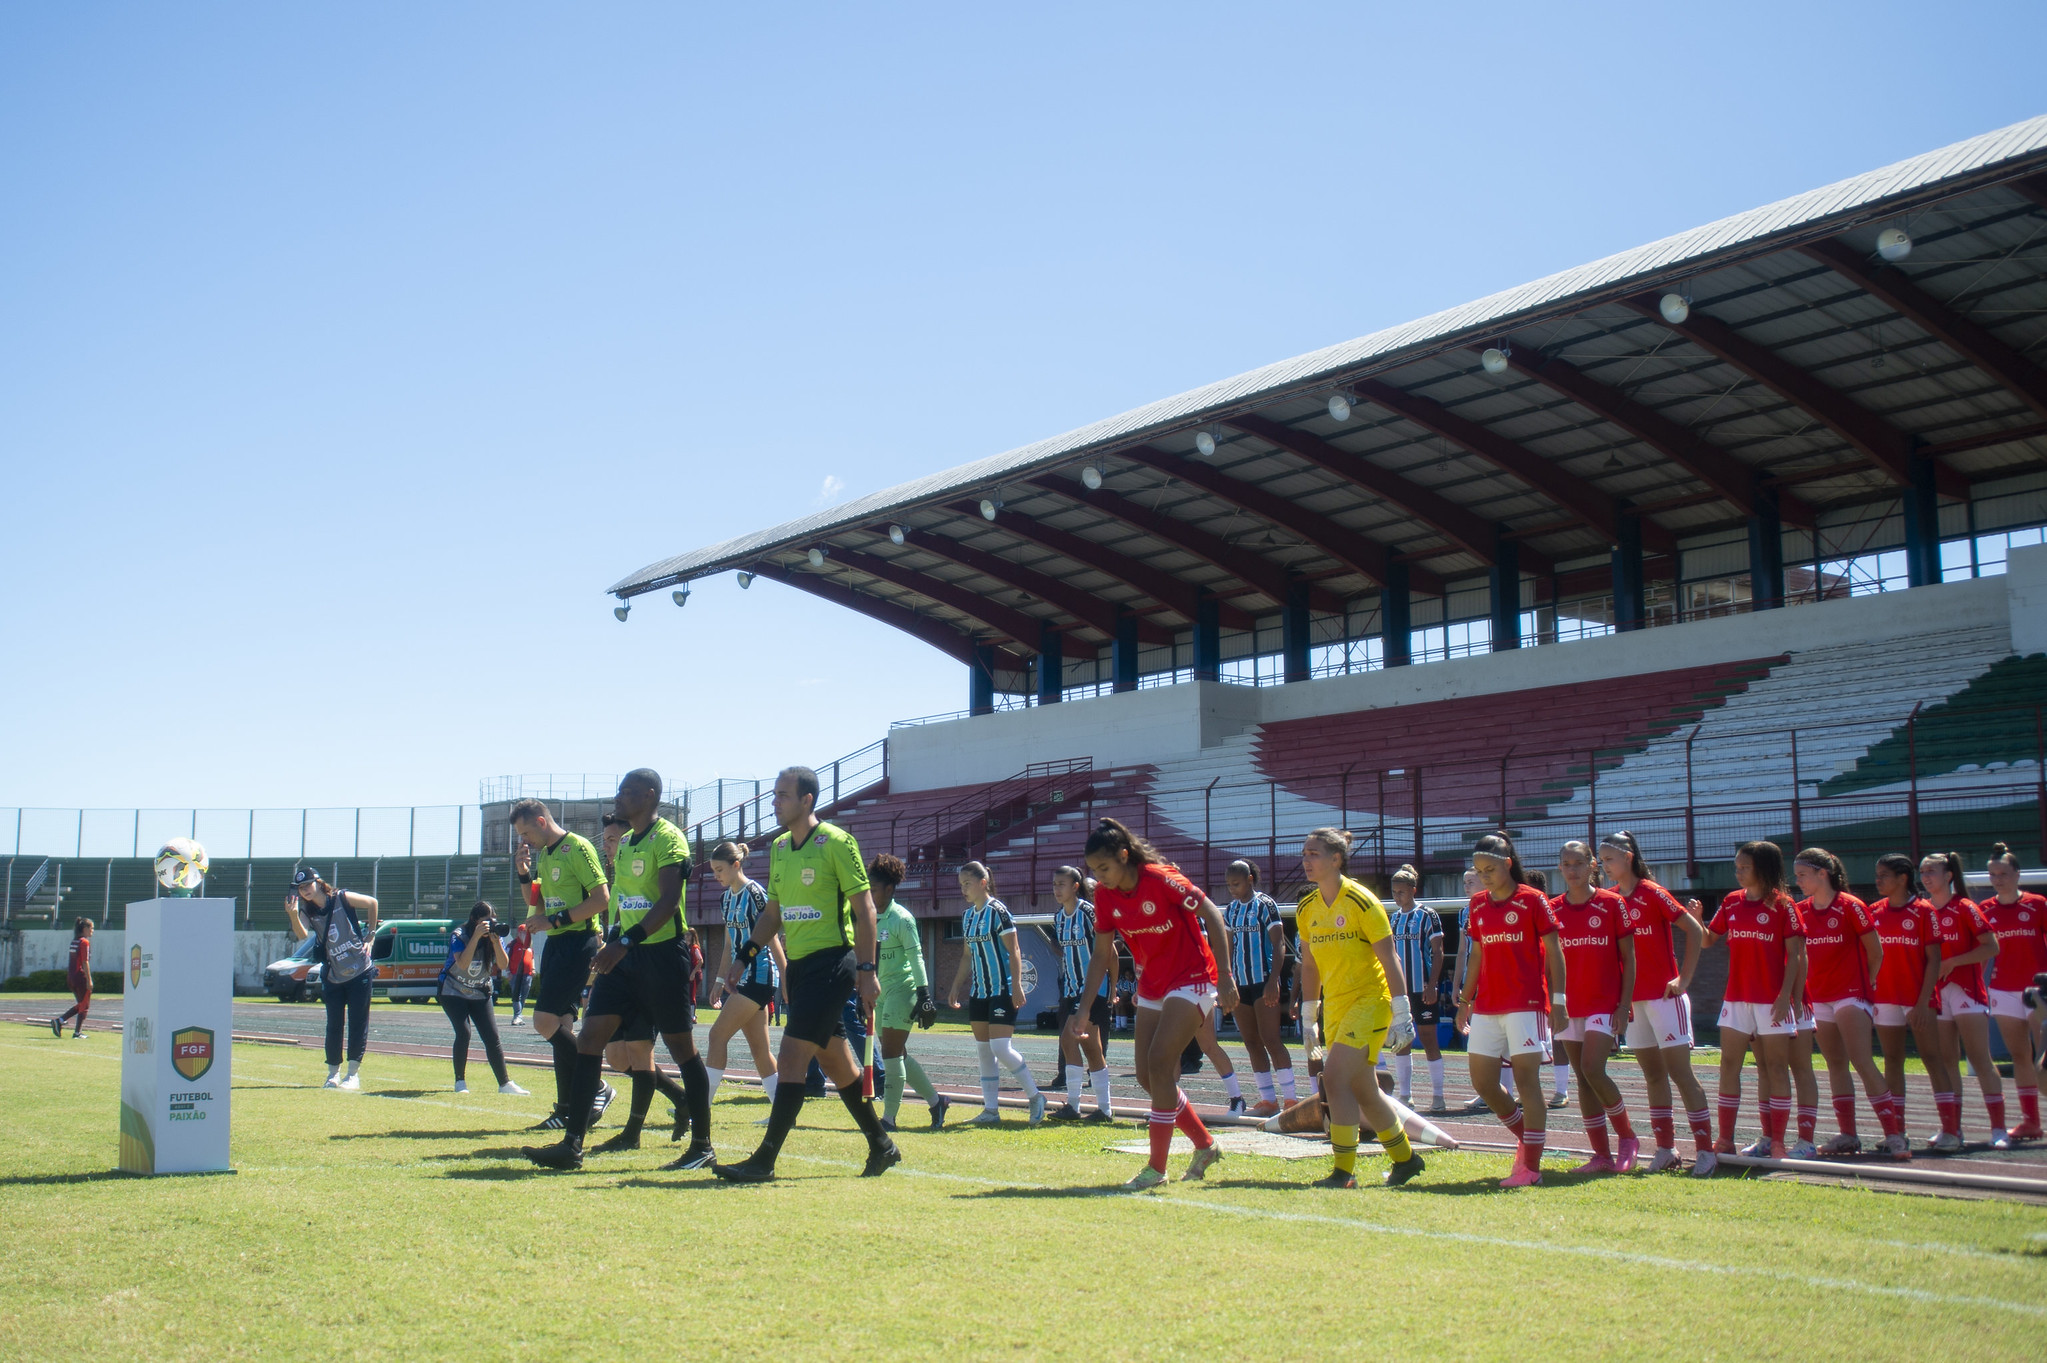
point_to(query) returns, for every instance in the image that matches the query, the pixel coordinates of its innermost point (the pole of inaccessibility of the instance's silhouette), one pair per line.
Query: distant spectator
(77, 974)
(519, 972)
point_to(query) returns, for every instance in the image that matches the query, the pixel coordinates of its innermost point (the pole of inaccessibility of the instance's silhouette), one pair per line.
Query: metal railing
(838, 781)
(306, 834)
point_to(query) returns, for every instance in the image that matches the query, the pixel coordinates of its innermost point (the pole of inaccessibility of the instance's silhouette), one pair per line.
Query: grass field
(399, 1223)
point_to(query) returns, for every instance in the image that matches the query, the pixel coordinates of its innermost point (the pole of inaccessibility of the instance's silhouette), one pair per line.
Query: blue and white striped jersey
(984, 928)
(742, 911)
(1075, 933)
(1250, 922)
(1412, 929)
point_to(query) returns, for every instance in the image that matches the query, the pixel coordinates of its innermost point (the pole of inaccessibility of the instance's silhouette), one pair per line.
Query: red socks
(1191, 1125)
(1730, 1108)
(1995, 1106)
(1808, 1122)
(1844, 1112)
(1595, 1131)
(1531, 1148)
(2029, 1102)
(1949, 1106)
(1662, 1128)
(1161, 1139)
(1622, 1127)
(1512, 1121)
(1702, 1129)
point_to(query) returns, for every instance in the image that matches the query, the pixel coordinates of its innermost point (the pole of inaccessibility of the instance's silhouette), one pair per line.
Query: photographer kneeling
(476, 953)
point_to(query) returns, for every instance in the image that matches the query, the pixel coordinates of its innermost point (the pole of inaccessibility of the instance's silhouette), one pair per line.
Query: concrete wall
(1172, 721)
(36, 949)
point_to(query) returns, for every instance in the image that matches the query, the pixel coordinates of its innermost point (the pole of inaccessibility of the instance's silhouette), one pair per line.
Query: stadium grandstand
(1719, 538)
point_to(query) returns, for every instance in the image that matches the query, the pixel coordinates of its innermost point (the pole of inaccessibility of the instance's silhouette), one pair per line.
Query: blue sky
(349, 352)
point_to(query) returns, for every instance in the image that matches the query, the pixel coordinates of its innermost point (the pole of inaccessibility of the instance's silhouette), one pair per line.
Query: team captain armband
(746, 951)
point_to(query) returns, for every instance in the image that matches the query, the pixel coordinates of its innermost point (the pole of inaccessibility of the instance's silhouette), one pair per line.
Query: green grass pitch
(400, 1223)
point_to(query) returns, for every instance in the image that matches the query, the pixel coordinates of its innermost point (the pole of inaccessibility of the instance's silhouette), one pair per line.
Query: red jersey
(1590, 935)
(1836, 967)
(1906, 933)
(1509, 933)
(1756, 931)
(519, 952)
(78, 965)
(1651, 911)
(2021, 930)
(1961, 926)
(1160, 921)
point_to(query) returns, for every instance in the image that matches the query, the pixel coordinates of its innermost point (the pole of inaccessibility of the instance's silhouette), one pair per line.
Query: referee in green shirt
(818, 898)
(563, 867)
(645, 974)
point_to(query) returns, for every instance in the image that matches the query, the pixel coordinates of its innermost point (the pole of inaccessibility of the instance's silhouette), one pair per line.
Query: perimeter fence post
(1691, 813)
(1797, 815)
(1912, 775)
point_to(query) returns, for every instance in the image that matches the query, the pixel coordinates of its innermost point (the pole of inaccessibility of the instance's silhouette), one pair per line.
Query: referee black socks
(781, 1118)
(696, 1089)
(564, 1043)
(588, 1077)
(862, 1108)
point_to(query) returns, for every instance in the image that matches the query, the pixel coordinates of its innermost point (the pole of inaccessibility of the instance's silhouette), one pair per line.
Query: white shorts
(2009, 1003)
(1202, 996)
(1661, 1022)
(1892, 1014)
(1802, 1018)
(1954, 1003)
(1824, 1012)
(1754, 1020)
(1504, 1035)
(1601, 1023)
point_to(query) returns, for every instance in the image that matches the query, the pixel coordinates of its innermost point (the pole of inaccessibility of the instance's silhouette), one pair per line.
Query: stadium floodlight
(1091, 478)
(1339, 407)
(1675, 307)
(621, 611)
(680, 596)
(1894, 243)
(989, 506)
(1494, 360)
(1204, 444)
(816, 557)
(896, 534)
(745, 581)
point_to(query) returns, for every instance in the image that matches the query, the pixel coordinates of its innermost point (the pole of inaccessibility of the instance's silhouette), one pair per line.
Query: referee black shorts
(653, 985)
(564, 970)
(1097, 1013)
(816, 988)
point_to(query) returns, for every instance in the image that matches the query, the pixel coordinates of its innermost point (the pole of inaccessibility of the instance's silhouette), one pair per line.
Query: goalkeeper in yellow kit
(1349, 959)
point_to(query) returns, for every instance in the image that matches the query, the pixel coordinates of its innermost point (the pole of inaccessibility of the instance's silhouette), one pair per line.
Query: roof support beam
(947, 639)
(1469, 532)
(1715, 467)
(1019, 626)
(1582, 499)
(1254, 570)
(2033, 187)
(1966, 338)
(1181, 598)
(1352, 547)
(1097, 613)
(1883, 444)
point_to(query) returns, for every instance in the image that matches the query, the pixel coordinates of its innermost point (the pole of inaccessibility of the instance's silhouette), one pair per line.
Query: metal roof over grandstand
(1781, 356)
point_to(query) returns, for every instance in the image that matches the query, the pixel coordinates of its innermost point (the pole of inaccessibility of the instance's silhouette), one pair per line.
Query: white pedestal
(177, 1019)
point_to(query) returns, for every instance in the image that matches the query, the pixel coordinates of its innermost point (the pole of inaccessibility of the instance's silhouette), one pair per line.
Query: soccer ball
(181, 865)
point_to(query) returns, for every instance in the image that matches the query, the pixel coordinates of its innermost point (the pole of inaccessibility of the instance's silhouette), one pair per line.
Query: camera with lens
(2031, 993)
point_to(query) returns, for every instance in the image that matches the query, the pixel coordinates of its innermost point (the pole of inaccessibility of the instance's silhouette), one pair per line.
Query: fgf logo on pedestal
(192, 1051)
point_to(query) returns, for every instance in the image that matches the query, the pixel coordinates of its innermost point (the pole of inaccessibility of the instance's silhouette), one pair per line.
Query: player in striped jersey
(992, 964)
(743, 1007)
(1073, 928)
(1258, 958)
(1418, 941)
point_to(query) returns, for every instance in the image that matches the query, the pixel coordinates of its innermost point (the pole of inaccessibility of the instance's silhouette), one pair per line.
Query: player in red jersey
(1660, 1013)
(1966, 943)
(1176, 939)
(1904, 987)
(1843, 956)
(78, 975)
(1599, 978)
(1765, 980)
(1515, 965)
(2019, 920)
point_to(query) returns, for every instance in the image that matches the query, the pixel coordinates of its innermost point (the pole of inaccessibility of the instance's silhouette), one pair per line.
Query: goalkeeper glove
(1401, 1032)
(927, 1011)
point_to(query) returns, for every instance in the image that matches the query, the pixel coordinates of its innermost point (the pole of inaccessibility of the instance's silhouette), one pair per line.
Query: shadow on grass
(499, 1173)
(685, 1185)
(413, 1135)
(501, 1152)
(51, 1180)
